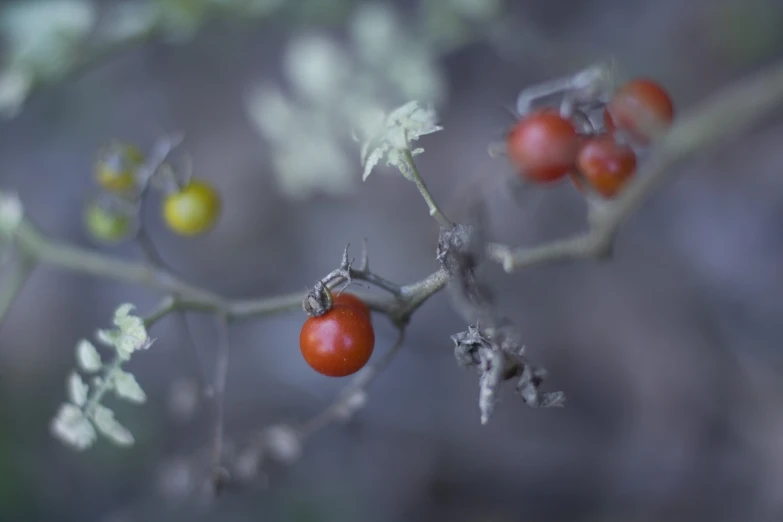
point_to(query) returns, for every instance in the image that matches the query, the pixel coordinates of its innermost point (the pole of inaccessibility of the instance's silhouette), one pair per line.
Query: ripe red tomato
(351, 300)
(338, 343)
(642, 107)
(543, 146)
(605, 164)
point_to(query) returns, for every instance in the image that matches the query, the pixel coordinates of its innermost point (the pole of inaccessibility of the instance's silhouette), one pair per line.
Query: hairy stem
(435, 212)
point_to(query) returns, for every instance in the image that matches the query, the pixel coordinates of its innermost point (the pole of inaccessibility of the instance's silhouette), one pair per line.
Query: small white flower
(392, 137)
(11, 213)
(87, 356)
(73, 428)
(132, 335)
(77, 389)
(126, 387)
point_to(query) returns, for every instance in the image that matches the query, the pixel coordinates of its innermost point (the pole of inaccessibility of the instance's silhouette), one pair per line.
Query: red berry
(605, 164)
(543, 145)
(642, 108)
(347, 299)
(338, 343)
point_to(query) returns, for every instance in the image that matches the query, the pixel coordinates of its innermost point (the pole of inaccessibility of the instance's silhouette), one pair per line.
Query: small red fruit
(605, 164)
(642, 108)
(353, 300)
(338, 343)
(543, 146)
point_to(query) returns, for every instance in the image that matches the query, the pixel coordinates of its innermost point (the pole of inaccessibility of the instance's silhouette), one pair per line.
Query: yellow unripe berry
(193, 210)
(106, 225)
(116, 168)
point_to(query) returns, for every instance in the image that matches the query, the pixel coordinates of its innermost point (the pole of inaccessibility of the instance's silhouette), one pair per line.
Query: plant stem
(105, 386)
(723, 115)
(20, 272)
(435, 212)
(222, 360)
(77, 259)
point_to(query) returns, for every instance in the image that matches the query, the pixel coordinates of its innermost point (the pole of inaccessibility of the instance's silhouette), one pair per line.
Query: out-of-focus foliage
(390, 58)
(746, 31)
(79, 421)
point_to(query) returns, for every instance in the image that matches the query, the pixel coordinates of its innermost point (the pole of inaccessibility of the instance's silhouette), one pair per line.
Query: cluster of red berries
(339, 342)
(546, 145)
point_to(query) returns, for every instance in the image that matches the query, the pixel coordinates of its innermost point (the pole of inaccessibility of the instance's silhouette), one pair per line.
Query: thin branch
(222, 360)
(722, 116)
(167, 305)
(21, 269)
(398, 306)
(109, 374)
(435, 212)
(154, 257)
(344, 406)
(347, 273)
(86, 261)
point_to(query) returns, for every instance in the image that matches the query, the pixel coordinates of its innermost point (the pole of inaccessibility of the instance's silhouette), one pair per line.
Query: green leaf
(87, 356)
(73, 428)
(108, 338)
(122, 313)
(126, 387)
(109, 427)
(77, 389)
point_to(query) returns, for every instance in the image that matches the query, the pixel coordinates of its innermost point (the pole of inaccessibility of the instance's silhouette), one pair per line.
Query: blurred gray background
(670, 354)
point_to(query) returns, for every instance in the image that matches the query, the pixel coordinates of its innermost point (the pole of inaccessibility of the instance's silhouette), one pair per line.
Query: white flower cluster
(79, 421)
(391, 137)
(336, 90)
(45, 39)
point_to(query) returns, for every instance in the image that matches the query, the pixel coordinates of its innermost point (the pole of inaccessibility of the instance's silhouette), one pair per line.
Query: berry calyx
(348, 299)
